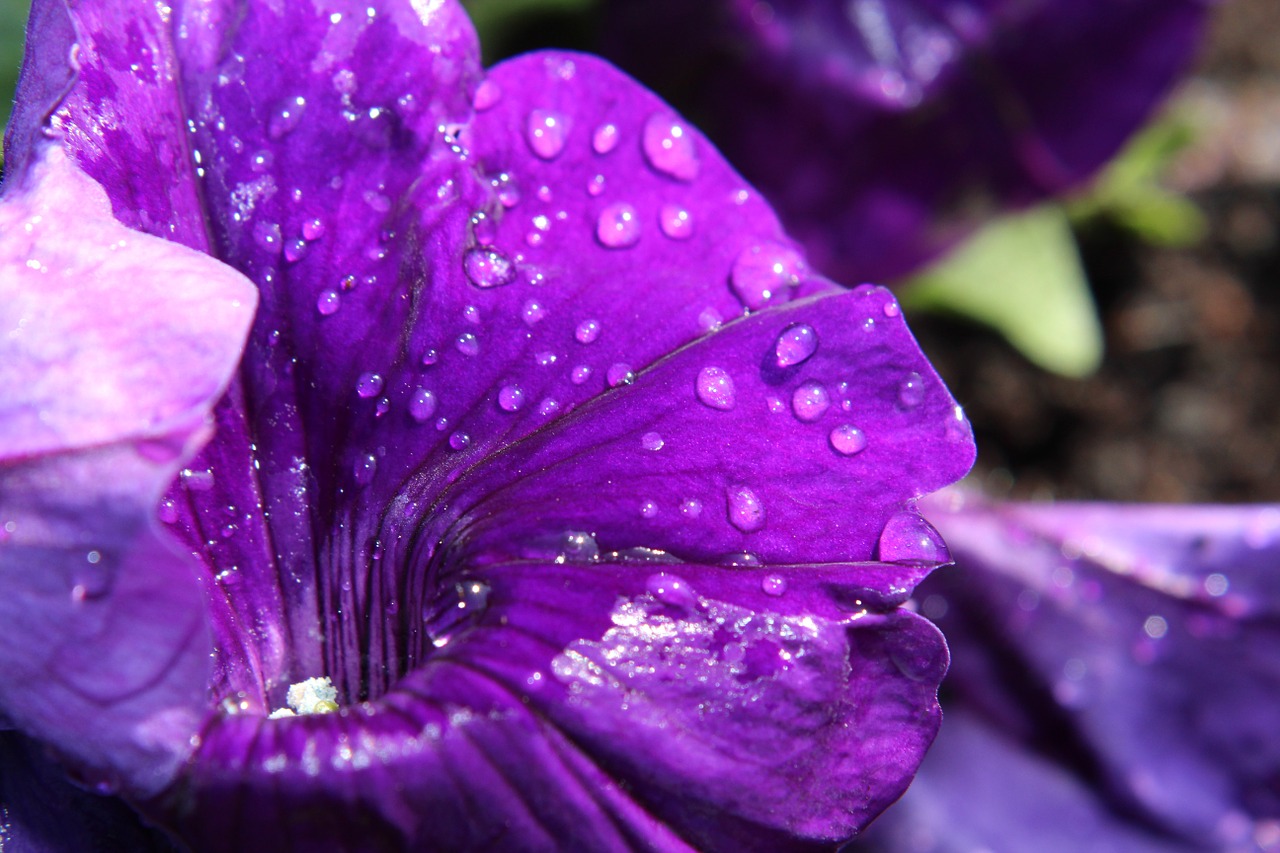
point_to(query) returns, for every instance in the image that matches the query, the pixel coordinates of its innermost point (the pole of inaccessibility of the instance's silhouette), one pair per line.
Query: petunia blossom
(1114, 681)
(885, 130)
(551, 502)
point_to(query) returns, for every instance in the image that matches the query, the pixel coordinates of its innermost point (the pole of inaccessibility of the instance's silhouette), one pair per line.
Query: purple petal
(1130, 654)
(884, 131)
(115, 347)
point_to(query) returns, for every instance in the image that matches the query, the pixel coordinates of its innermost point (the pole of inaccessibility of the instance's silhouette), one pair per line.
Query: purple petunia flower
(555, 497)
(886, 130)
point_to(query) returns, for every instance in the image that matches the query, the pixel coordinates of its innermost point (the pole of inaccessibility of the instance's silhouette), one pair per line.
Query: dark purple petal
(883, 131)
(1131, 654)
(42, 812)
(115, 346)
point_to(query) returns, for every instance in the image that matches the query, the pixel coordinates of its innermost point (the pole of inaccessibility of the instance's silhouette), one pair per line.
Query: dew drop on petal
(619, 374)
(869, 324)
(774, 585)
(710, 320)
(486, 267)
(578, 547)
(847, 439)
(691, 508)
(467, 344)
(651, 441)
(167, 511)
(368, 384)
(580, 374)
(810, 401)
(488, 93)
(286, 117)
(545, 358)
(669, 147)
(891, 308)
(422, 405)
(675, 222)
(595, 186)
(605, 138)
(762, 273)
(911, 392)
(714, 388)
(546, 132)
(587, 331)
(908, 538)
(459, 440)
(672, 590)
(267, 235)
(328, 302)
(382, 407)
(649, 509)
(746, 512)
(295, 250)
(532, 312)
(796, 344)
(365, 467)
(510, 398)
(430, 357)
(618, 226)
(548, 407)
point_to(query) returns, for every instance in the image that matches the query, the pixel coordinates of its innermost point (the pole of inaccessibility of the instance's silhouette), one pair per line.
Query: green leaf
(1021, 275)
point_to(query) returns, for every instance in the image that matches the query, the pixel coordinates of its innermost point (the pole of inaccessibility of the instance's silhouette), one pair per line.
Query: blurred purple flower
(545, 446)
(1113, 686)
(885, 130)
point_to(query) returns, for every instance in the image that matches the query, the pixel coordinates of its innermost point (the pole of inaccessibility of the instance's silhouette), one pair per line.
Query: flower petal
(1134, 648)
(115, 347)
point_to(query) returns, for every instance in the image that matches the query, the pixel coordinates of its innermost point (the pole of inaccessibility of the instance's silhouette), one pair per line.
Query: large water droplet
(546, 133)
(422, 405)
(328, 302)
(669, 147)
(796, 344)
(486, 267)
(911, 392)
(746, 512)
(672, 590)
(587, 331)
(286, 117)
(847, 439)
(763, 272)
(675, 221)
(369, 384)
(651, 441)
(810, 402)
(467, 344)
(714, 388)
(908, 538)
(605, 139)
(578, 547)
(365, 467)
(511, 398)
(618, 226)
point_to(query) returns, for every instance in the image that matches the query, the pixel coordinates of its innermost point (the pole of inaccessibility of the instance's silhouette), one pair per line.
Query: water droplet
(483, 229)
(328, 302)
(869, 324)
(167, 512)
(286, 117)
(595, 186)
(544, 194)
(545, 358)
(1155, 627)
(675, 222)
(746, 512)
(911, 392)
(546, 132)
(459, 440)
(578, 547)
(691, 508)
(762, 273)
(775, 404)
(774, 585)
(908, 538)
(618, 226)
(368, 384)
(714, 388)
(669, 147)
(548, 407)
(587, 331)
(796, 344)
(580, 374)
(672, 590)
(710, 320)
(486, 267)
(810, 402)
(422, 405)
(365, 467)
(467, 344)
(651, 441)
(619, 374)
(267, 235)
(430, 357)
(605, 139)
(648, 509)
(847, 439)
(891, 309)
(510, 398)
(507, 189)
(488, 93)
(262, 161)
(533, 312)
(295, 250)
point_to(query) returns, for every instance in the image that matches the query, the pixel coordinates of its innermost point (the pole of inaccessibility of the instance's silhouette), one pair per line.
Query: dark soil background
(1186, 406)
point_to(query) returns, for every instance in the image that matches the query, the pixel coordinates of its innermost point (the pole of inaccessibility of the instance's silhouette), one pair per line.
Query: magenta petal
(1134, 648)
(115, 347)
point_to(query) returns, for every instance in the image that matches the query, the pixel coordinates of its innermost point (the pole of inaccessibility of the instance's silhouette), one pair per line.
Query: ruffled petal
(116, 345)
(1129, 653)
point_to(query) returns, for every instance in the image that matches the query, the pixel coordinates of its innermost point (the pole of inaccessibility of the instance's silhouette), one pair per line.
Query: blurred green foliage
(13, 20)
